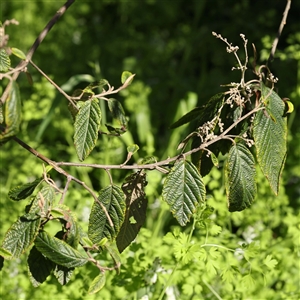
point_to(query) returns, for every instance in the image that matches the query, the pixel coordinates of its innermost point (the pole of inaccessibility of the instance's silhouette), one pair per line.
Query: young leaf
(114, 255)
(87, 124)
(270, 136)
(183, 190)
(4, 61)
(1, 113)
(136, 207)
(12, 113)
(97, 284)
(39, 267)
(23, 191)
(125, 75)
(112, 198)
(20, 236)
(117, 111)
(17, 52)
(59, 251)
(240, 178)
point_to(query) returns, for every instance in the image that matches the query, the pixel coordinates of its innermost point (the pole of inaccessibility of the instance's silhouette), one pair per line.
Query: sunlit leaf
(23, 191)
(97, 284)
(87, 125)
(270, 136)
(12, 113)
(136, 207)
(59, 251)
(125, 75)
(17, 52)
(240, 178)
(20, 236)
(63, 274)
(4, 61)
(113, 199)
(183, 190)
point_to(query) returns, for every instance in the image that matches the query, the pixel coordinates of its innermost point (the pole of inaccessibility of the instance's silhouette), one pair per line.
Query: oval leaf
(113, 199)
(240, 178)
(87, 125)
(183, 190)
(270, 136)
(17, 52)
(4, 61)
(97, 284)
(23, 191)
(59, 251)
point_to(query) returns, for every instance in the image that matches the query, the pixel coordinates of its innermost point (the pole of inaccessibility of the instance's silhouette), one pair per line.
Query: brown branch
(283, 22)
(23, 64)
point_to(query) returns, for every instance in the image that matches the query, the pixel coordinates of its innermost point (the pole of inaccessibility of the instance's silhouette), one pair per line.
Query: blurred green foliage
(179, 65)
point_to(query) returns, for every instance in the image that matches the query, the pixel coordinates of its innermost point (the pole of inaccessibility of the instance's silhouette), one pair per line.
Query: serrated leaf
(214, 159)
(4, 253)
(17, 52)
(117, 111)
(12, 113)
(183, 190)
(97, 284)
(39, 267)
(59, 251)
(4, 61)
(63, 274)
(113, 199)
(136, 207)
(240, 178)
(87, 125)
(270, 262)
(270, 136)
(20, 236)
(23, 191)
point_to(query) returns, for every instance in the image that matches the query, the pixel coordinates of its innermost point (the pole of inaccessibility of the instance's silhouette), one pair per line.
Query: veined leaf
(4, 61)
(183, 190)
(113, 199)
(20, 236)
(39, 267)
(1, 113)
(136, 207)
(114, 255)
(23, 191)
(63, 274)
(240, 178)
(12, 113)
(270, 136)
(97, 284)
(125, 75)
(59, 251)
(87, 124)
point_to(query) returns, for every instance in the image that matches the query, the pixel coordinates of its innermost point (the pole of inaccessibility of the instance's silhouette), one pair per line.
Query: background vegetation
(179, 65)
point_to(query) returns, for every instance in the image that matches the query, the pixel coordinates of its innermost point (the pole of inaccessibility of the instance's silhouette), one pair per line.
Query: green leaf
(63, 274)
(270, 136)
(59, 251)
(133, 148)
(240, 178)
(23, 191)
(125, 76)
(117, 111)
(97, 284)
(136, 207)
(202, 114)
(1, 113)
(4, 253)
(20, 236)
(4, 61)
(87, 125)
(113, 199)
(270, 262)
(183, 190)
(12, 113)
(39, 267)
(114, 255)
(17, 52)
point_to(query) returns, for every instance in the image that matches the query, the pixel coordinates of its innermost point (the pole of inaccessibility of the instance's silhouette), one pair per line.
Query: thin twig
(283, 22)
(23, 64)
